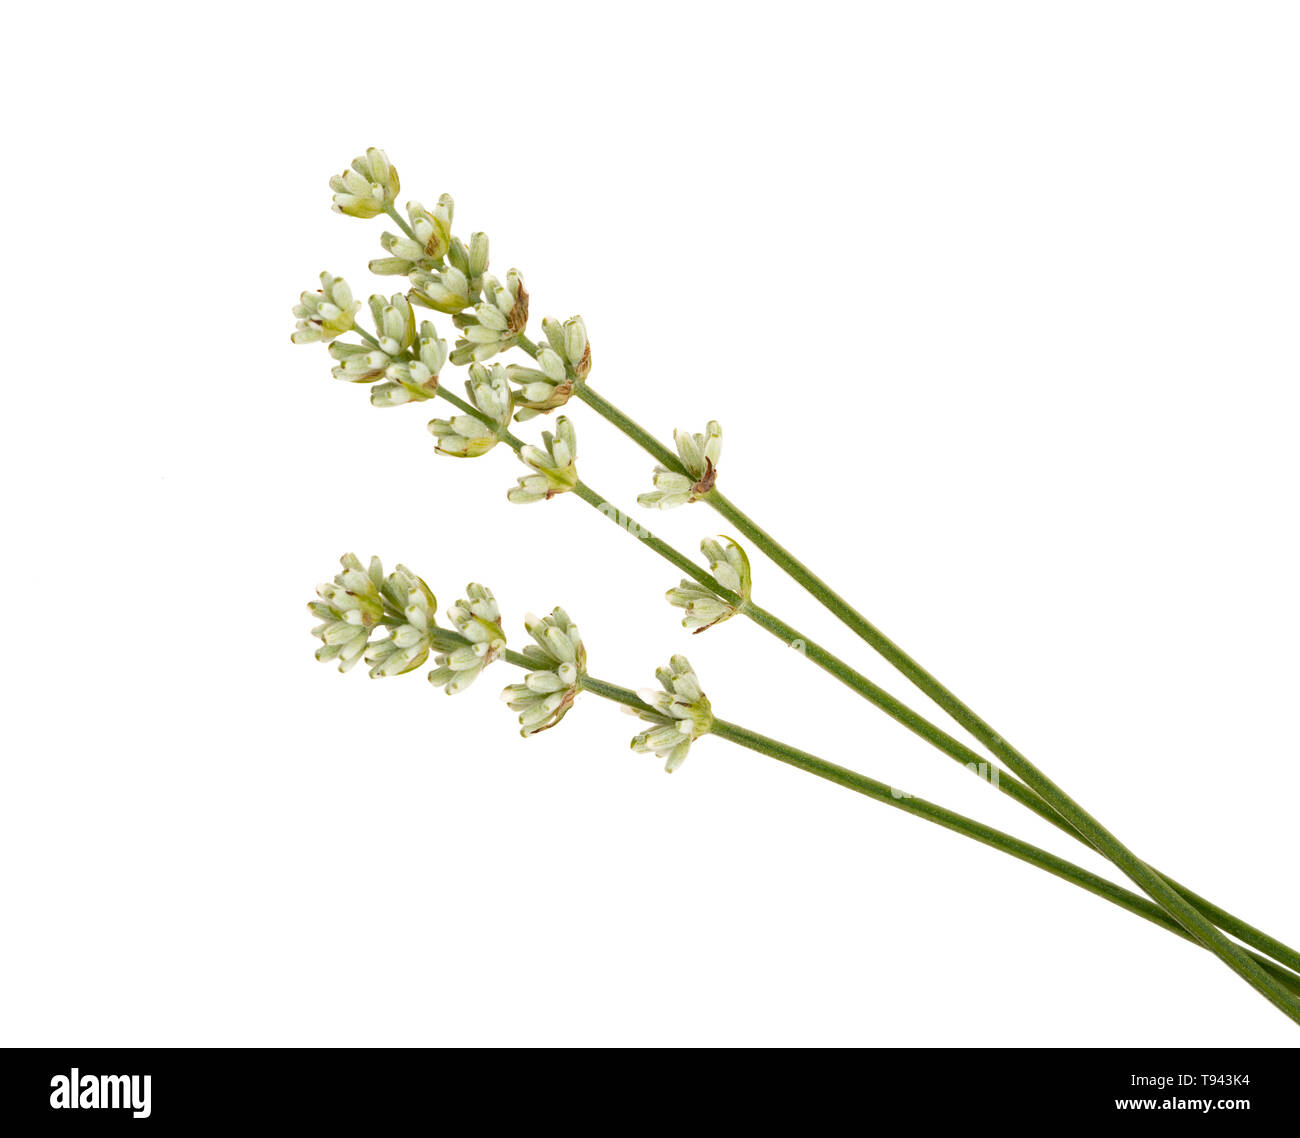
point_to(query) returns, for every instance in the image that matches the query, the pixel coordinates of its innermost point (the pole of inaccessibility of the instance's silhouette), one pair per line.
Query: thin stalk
(391, 210)
(630, 427)
(1143, 875)
(893, 707)
(897, 710)
(1146, 878)
(948, 819)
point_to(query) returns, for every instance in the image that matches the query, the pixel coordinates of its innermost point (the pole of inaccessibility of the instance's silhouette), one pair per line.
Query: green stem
(1239, 928)
(897, 710)
(1151, 882)
(948, 819)
(877, 695)
(1148, 879)
(391, 210)
(634, 431)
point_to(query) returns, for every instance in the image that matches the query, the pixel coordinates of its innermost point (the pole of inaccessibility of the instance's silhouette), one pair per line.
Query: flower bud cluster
(468, 436)
(478, 619)
(368, 187)
(554, 471)
(570, 341)
(559, 661)
(680, 714)
(729, 566)
(413, 379)
(496, 321)
(361, 600)
(412, 630)
(699, 456)
(424, 248)
(452, 287)
(326, 313)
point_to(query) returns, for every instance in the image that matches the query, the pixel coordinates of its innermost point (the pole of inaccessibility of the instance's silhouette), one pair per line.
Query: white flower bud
(478, 254)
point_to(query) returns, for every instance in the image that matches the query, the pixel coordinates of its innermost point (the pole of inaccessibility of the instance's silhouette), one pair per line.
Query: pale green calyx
(554, 471)
(325, 313)
(478, 619)
(472, 261)
(468, 436)
(542, 388)
(569, 340)
(432, 240)
(699, 456)
(495, 323)
(415, 379)
(560, 662)
(368, 187)
(680, 714)
(729, 566)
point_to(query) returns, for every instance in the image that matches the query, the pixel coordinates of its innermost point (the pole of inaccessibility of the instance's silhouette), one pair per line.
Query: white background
(997, 305)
